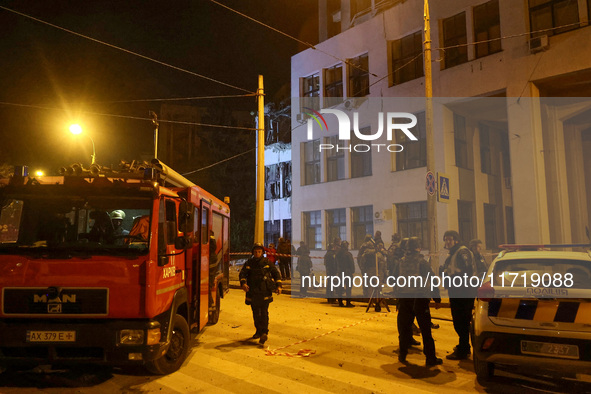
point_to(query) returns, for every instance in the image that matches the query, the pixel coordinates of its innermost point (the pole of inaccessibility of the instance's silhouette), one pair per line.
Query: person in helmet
(413, 301)
(119, 232)
(258, 279)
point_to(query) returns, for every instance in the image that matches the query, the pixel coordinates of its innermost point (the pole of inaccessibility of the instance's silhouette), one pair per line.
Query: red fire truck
(115, 267)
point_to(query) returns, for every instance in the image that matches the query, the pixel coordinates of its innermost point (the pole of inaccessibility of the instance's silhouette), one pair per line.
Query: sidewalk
(319, 293)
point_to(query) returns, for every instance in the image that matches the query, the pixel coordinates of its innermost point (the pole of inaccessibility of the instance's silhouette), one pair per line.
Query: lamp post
(76, 130)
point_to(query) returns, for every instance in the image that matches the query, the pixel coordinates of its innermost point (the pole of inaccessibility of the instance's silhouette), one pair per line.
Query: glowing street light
(76, 129)
(39, 173)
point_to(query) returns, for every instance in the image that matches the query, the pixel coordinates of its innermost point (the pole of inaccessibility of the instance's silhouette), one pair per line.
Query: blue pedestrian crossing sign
(443, 183)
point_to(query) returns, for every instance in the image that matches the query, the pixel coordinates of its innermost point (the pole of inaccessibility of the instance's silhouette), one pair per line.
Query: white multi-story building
(516, 151)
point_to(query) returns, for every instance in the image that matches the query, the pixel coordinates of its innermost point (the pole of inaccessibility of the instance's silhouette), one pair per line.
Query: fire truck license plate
(550, 349)
(51, 336)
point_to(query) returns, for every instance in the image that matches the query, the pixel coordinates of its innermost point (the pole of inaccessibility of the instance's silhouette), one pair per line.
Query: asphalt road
(345, 350)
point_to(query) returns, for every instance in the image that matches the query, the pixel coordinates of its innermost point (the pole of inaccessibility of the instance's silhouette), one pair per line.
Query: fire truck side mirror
(186, 217)
(183, 242)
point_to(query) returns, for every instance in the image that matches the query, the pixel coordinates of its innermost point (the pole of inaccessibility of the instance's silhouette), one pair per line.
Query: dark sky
(42, 66)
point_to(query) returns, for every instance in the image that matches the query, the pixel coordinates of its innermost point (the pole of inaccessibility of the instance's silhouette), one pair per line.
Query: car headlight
(131, 337)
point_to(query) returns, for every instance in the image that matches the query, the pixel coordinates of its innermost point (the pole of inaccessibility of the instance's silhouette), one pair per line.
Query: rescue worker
(461, 298)
(366, 259)
(304, 266)
(479, 261)
(413, 300)
(345, 270)
(119, 232)
(284, 248)
(258, 279)
(271, 253)
(330, 262)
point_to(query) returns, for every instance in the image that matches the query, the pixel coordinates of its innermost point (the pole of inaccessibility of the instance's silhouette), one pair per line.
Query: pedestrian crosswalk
(351, 358)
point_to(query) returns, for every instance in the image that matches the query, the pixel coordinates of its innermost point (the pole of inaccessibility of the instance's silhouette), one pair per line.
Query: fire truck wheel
(172, 360)
(214, 315)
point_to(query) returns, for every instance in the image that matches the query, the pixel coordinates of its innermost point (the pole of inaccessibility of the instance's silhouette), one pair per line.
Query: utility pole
(431, 198)
(259, 223)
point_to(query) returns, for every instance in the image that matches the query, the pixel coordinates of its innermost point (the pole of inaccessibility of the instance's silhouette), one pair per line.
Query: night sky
(58, 77)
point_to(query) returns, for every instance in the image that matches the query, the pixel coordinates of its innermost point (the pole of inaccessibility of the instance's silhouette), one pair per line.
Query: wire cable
(125, 50)
(132, 117)
(219, 162)
(172, 99)
(293, 38)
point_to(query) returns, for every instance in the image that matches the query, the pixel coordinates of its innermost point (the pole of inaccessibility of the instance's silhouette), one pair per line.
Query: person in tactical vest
(330, 262)
(345, 268)
(413, 300)
(479, 261)
(259, 279)
(461, 298)
(303, 266)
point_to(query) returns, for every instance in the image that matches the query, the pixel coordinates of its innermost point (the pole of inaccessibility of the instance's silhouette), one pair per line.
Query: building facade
(511, 122)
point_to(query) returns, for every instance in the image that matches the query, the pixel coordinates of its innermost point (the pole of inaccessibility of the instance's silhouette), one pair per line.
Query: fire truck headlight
(131, 337)
(153, 336)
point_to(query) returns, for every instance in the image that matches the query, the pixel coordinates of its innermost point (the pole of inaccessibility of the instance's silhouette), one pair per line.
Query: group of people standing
(259, 278)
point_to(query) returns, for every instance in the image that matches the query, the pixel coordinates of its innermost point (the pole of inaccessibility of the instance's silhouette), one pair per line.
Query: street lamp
(76, 129)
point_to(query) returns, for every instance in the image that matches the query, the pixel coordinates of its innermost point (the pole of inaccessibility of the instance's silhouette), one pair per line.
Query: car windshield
(564, 273)
(62, 225)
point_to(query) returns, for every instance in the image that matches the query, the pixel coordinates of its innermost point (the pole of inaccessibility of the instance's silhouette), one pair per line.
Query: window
(362, 224)
(336, 220)
(358, 6)
(335, 159)
(272, 232)
(454, 33)
(333, 83)
(310, 87)
(551, 14)
(272, 182)
(490, 226)
(286, 229)
(312, 162)
(485, 156)
(407, 58)
(414, 154)
(360, 155)
(465, 220)
(333, 15)
(487, 26)
(205, 225)
(286, 179)
(412, 221)
(312, 234)
(505, 155)
(359, 76)
(460, 141)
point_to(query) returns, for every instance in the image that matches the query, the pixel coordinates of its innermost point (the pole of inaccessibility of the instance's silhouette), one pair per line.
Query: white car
(533, 312)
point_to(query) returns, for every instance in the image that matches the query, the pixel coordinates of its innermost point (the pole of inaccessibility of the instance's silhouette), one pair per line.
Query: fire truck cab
(109, 267)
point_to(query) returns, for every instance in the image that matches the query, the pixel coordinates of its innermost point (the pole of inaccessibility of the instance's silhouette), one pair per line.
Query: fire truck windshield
(71, 226)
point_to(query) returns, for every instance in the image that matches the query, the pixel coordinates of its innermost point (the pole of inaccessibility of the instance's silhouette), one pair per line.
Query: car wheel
(174, 357)
(483, 369)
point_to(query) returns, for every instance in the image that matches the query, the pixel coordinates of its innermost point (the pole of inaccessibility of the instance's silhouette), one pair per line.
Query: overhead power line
(172, 99)
(351, 64)
(219, 162)
(125, 50)
(133, 117)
